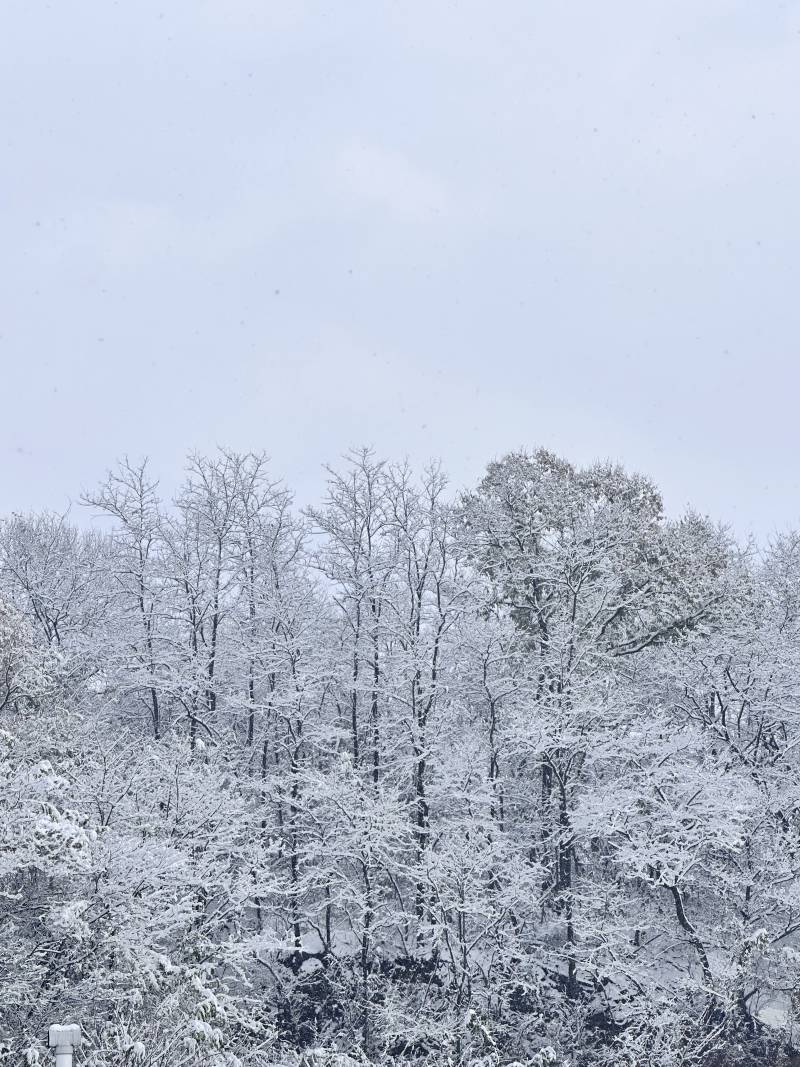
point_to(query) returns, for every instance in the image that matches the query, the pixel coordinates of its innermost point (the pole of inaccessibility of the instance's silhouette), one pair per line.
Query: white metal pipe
(64, 1039)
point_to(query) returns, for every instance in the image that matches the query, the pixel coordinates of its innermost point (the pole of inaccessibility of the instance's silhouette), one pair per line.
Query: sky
(443, 229)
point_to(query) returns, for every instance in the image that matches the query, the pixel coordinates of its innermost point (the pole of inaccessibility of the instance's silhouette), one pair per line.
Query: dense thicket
(508, 777)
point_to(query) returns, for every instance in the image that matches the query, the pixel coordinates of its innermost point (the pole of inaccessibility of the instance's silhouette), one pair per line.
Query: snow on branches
(504, 779)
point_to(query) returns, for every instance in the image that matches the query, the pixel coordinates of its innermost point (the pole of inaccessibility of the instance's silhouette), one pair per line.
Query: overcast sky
(445, 229)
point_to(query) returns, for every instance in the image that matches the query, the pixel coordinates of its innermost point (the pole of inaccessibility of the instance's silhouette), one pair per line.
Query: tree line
(411, 776)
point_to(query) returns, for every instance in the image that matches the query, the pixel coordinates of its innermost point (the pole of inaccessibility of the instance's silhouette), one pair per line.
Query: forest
(413, 776)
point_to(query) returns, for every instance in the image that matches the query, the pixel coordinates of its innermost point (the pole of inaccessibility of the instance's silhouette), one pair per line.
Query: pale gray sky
(445, 229)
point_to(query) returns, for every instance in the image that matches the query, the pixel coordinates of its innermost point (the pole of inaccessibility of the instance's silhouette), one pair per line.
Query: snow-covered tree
(504, 779)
